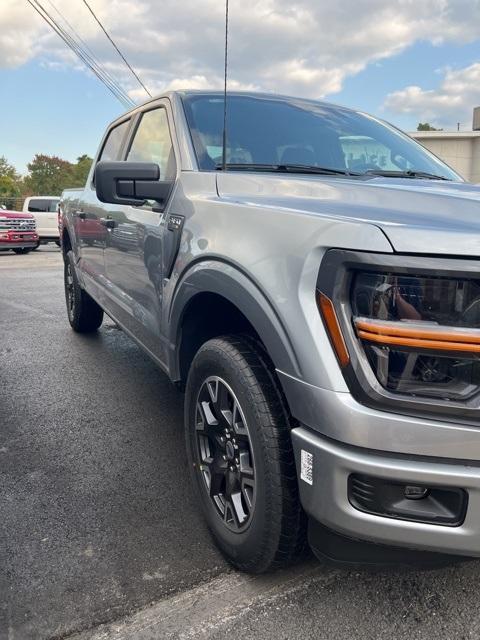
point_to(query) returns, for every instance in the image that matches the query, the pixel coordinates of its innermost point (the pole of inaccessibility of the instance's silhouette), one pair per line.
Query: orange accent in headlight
(415, 336)
(330, 319)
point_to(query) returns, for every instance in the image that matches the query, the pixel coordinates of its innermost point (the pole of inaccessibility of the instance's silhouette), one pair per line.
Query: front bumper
(6, 246)
(325, 496)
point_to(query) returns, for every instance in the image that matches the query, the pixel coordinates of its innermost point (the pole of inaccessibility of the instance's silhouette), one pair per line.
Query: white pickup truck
(45, 211)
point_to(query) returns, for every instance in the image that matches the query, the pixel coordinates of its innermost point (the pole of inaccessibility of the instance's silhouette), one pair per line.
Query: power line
(90, 62)
(88, 50)
(116, 48)
(113, 87)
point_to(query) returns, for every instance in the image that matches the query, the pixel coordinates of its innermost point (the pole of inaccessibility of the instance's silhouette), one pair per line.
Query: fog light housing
(406, 501)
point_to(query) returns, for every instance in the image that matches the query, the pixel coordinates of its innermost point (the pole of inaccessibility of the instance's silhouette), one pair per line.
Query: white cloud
(304, 47)
(450, 103)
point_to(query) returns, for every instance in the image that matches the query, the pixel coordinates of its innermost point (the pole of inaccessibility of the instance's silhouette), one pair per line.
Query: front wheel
(241, 457)
(22, 251)
(84, 314)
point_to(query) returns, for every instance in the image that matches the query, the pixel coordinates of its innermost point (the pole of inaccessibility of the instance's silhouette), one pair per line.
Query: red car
(18, 231)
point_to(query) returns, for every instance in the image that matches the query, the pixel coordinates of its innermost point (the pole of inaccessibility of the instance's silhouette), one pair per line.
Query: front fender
(228, 281)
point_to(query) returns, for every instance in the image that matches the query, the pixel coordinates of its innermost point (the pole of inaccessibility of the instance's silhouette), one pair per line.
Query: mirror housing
(130, 183)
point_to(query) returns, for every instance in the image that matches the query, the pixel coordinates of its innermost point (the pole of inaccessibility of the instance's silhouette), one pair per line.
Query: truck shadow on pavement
(99, 514)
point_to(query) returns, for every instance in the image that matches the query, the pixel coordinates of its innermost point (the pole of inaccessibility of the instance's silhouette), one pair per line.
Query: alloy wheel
(224, 453)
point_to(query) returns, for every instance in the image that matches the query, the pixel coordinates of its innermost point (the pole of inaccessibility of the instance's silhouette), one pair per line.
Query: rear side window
(152, 143)
(114, 140)
(37, 205)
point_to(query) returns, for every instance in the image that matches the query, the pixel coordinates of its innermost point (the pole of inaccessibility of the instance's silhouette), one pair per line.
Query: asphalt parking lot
(102, 538)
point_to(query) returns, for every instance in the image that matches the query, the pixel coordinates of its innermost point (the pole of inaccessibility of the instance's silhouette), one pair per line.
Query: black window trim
(132, 131)
(128, 118)
(107, 135)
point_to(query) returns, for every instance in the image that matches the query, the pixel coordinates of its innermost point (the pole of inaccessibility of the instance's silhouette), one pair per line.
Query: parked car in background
(44, 209)
(314, 287)
(17, 231)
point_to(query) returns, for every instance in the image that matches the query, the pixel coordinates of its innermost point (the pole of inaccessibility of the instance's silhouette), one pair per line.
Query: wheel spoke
(238, 421)
(209, 416)
(248, 488)
(206, 421)
(217, 484)
(246, 469)
(238, 509)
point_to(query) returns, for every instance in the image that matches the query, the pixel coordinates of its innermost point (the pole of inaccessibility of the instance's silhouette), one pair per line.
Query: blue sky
(415, 61)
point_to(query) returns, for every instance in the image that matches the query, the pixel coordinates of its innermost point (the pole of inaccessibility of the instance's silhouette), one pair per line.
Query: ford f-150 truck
(17, 231)
(312, 281)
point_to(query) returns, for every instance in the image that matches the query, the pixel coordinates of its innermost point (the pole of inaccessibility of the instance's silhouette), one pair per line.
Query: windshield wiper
(409, 173)
(287, 168)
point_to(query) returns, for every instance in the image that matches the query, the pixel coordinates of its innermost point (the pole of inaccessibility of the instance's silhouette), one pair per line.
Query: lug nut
(224, 457)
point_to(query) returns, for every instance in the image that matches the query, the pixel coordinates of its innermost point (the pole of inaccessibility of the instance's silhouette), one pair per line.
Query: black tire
(84, 314)
(273, 530)
(36, 246)
(22, 251)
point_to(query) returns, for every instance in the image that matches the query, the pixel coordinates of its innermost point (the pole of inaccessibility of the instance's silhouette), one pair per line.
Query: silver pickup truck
(312, 281)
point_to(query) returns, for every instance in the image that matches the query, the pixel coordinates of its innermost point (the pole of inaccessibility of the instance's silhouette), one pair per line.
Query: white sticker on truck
(306, 466)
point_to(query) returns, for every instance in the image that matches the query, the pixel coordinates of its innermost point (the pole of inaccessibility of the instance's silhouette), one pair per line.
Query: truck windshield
(269, 133)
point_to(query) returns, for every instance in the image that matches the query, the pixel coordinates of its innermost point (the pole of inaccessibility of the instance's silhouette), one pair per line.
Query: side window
(114, 141)
(152, 143)
(38, 205)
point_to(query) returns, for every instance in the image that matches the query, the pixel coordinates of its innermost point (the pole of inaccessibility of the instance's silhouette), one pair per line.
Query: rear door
(90, 214)
(134, 247)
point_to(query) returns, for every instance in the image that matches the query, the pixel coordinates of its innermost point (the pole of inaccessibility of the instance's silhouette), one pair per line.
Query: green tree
(10, 184)
(426, 126)
(7, 169)
(81, 170)
(48, 175)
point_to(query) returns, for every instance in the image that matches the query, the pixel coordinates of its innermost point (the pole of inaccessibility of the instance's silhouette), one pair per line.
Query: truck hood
(417, 216)
(12, 215)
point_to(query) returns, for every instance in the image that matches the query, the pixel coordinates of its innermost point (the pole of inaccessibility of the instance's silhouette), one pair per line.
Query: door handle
(110, 223)
(80, 214)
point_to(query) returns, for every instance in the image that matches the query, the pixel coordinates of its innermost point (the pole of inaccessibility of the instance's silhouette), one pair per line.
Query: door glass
(38, 205)
(114, 141)
(152, 143)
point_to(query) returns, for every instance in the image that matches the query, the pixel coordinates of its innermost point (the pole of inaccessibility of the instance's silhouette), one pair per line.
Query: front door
(134, 242)
(89, 217)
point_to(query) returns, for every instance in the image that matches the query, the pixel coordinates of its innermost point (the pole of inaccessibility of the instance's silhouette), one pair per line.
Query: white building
(459, 149)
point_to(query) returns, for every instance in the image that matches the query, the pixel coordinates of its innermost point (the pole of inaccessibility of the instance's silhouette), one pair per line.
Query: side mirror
(129, 183)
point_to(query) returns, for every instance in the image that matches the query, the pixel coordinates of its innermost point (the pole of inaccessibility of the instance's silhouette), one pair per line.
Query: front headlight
(407, 334)
(421, 335)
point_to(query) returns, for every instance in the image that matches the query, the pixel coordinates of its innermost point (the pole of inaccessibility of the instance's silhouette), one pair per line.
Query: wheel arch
(222, 294)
